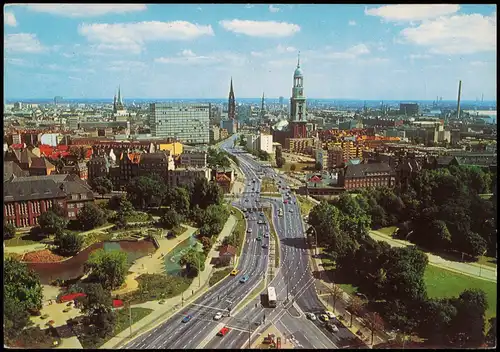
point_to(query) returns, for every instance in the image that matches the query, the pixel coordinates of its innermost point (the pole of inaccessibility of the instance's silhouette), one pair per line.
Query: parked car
(264, 245)
(332, 327)
(223, 331)
(330, 314)
(324, 317)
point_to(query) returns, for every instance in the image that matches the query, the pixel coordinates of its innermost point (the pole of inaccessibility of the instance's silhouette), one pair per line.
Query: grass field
(21, 240)
(443, 283)
(218, 276)
(179, 230)
(488, 261)
(388, 230)
(305, 205)
(329, 267)
(298, 166)
(268, 185)
(239, 229)
(267, 212)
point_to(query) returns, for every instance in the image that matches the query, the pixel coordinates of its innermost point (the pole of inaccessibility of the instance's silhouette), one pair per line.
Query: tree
(102, 185)
(318, 166)
(191, 259)
(336, 293)
(437, 316)
(179, 199)
(207, 244)
(170, 219)
(143, 191)
(51, 223)
(70, 244)
(114, 202)
(16, 318)
(91, 216)
(107, 267)
(280, 161)
(204, 193)
(22, 285)
(354, 306)
(468, 325)
(373, 322)
(97, 305)
(57, 209)
(125, 206)
(120, 220)
(293, 167)
(9, 231)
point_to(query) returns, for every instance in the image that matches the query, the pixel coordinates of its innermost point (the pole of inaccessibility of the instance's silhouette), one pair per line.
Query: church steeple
(231, 106)
(298, 100)
(119, 96)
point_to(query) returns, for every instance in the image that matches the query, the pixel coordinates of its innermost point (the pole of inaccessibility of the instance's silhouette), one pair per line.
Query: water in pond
(172, 266)
(73, 267)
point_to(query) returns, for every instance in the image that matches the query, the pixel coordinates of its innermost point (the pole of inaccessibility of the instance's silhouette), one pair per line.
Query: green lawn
(305, 205)
(268, 185)
(443, 283)
(22, 240)
(267, 213)
(239, 229)
(218, 276)
(298, 166)
(137, 216)
(329, 267)
(388, 230)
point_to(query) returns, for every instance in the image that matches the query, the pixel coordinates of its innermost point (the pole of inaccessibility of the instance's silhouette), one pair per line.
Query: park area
(268, 185)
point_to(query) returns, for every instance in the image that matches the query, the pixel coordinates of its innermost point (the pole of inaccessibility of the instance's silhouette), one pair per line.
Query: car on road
(261, 214)
(223, 331)
(291, 210)
(266, 235)
(246, 200)
(285, 201)
(260, 222)
(187, 318)
(324, 317)
(332, 327)
(259, 238)
(330, 314)
(311, 316)
(218, 316)
(244, 279)
(249, 230)
(234, 272)
(264, 245)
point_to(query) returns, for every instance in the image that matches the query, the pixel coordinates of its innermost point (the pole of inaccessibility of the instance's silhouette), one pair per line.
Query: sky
(407, 52)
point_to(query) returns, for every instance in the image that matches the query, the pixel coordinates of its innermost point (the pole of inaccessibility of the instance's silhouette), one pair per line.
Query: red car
(285, 201)
(223, 331)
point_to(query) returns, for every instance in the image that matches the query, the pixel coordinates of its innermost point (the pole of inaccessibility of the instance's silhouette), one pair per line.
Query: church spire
(231, 106)
(298, 60)
(119, 96)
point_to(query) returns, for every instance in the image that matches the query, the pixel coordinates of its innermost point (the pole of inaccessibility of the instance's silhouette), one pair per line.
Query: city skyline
(379, 52)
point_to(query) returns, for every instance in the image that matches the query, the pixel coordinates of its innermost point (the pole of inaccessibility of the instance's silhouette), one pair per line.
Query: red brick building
(26, 198)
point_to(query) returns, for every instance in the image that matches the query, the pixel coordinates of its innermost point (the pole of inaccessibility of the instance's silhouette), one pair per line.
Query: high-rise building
(281, 101)
(187, 123)
(231, 106)
(262, 108)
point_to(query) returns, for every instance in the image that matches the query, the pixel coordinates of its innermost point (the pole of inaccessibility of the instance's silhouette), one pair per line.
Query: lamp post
(249, 335)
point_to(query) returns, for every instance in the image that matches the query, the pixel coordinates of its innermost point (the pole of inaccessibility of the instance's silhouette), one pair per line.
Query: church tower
(298, 105)
(231, 106)
(119, 111)
(298, 100)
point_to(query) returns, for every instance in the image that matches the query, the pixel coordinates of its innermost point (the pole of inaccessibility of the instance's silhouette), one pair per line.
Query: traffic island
(272, 338)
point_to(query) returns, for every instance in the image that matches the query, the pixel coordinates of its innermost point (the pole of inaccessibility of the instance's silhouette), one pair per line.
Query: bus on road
(271, 297)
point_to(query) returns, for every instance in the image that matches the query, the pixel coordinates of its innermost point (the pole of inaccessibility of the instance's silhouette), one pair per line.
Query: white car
(330, 314)
(311, 316)
(218, 316)
(291, 210)
(249, 230)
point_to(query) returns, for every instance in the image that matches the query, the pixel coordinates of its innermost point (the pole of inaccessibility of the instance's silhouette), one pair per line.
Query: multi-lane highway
(174, 334)
(294, 283)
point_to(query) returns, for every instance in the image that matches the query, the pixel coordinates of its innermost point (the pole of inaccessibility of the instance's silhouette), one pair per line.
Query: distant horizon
(110, 100)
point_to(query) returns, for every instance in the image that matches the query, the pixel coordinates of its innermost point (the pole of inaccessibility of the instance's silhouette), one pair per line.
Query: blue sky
(191, 51)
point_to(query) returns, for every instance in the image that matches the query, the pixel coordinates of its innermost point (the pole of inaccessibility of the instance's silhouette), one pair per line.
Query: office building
(187, 123)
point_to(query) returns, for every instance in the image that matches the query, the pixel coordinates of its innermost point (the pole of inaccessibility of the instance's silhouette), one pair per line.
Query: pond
(172, 266)
(73, 267)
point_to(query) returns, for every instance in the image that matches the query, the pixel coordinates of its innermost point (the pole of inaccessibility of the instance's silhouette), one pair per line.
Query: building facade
(26, 198)
(368, 175)
(187, 123)
(185, 177)
(193, 159)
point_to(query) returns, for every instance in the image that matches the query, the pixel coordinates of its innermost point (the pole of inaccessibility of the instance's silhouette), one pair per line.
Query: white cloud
(86, 10)
(418, 56)
(9, 19)
(132, 36)
(460, 34)
(274, 9)
(188, 57)
(260, 28)
(285, 49)
(199, 8)
(407, 13)
(249, 6)
(22, 43)
(352, 23)
(350, 53)
(18, 62)
(121, 65)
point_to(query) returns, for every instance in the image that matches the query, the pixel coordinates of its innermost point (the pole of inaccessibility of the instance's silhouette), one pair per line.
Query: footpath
(476, 270)
(323, 288)
(162, 312)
